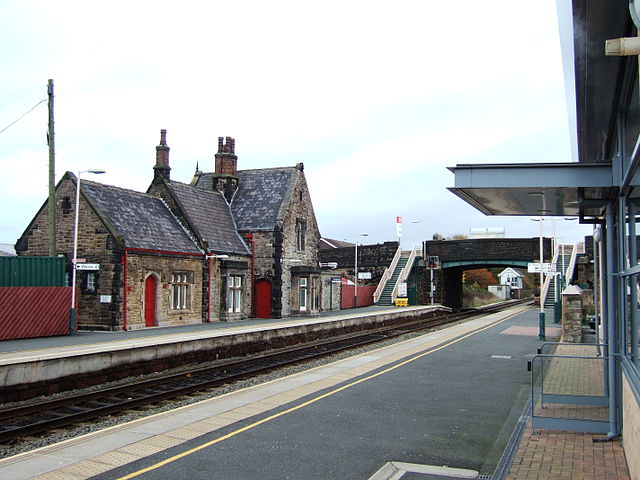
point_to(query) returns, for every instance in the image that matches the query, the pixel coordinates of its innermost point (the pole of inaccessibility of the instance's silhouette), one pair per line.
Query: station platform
(419, 409)
(42, 361)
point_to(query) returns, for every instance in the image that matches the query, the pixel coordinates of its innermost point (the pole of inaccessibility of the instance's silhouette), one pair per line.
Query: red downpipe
(208, 288)
(126, 286)
(253, 287)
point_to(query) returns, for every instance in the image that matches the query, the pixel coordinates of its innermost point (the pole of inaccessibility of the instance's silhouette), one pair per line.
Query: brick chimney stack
(161, 168)
(226, 159)
(224, 178)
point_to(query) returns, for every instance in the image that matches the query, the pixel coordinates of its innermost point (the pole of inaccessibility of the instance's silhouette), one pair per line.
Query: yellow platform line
(309, 402)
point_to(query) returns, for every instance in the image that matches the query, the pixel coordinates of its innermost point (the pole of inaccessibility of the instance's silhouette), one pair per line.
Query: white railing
(545, 288)
(572, 263)
(387, 275)
(404, 273)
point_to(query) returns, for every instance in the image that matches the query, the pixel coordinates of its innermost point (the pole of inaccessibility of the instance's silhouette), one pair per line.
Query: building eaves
(209, 214)
(141, 220)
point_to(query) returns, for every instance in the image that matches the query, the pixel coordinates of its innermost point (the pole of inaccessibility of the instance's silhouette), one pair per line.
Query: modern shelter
(600, 52)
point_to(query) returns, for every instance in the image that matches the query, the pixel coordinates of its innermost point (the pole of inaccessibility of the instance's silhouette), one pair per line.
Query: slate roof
(210, 215)
(328, 243)
(262, 197)
(143, 221)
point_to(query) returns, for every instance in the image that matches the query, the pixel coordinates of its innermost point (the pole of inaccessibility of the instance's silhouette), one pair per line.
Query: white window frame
(303, 287)
(179, 291)
(234, 294)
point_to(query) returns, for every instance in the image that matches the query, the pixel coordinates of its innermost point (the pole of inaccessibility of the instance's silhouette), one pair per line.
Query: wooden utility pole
(52, 175)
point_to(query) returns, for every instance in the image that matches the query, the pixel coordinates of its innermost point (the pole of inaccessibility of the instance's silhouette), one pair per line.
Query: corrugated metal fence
(34, 301)
(32, 271)
(27, 312)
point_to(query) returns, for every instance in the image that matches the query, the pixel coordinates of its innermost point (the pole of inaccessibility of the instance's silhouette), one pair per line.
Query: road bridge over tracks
(456, 256)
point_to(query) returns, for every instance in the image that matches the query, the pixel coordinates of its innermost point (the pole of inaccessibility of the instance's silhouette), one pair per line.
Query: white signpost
(87, 266)
(535, 268)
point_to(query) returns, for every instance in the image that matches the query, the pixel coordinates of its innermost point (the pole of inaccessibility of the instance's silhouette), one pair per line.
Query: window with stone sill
(304, 292)
(234, 294)
(180, 291)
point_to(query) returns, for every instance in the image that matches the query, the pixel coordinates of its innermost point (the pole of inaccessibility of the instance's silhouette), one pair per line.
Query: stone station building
(230, 244)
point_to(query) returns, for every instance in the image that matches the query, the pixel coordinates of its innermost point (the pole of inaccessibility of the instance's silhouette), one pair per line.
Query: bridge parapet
(487, 249)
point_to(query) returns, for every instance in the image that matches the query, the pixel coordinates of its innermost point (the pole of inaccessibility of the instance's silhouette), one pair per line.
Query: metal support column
(612, 304)
(633, 282)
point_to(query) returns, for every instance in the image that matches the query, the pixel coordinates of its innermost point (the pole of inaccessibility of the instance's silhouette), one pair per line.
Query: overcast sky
(376, 98)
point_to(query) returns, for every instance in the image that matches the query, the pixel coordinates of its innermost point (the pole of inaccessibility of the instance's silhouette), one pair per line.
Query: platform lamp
(541, 322)
(355, 280)
(74, 258)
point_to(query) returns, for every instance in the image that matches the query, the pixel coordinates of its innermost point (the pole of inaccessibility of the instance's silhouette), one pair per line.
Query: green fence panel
(32, 272)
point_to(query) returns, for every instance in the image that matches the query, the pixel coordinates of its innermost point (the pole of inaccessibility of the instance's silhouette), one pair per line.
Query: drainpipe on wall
(126, 286)
(208, 287)
(253, 266)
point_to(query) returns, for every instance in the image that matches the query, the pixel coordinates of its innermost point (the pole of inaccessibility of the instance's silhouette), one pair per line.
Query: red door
(263, 299)
(150, 301)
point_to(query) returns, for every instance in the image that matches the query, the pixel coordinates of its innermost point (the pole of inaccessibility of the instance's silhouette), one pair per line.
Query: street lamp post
(355, 280)
(74, 258)
(541, 322)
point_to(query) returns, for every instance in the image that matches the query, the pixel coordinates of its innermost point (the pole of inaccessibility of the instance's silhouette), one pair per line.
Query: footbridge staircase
(396, 274)
(563, 266)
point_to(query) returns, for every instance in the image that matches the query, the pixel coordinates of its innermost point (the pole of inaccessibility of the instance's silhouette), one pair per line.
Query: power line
(23, 115)
(5, 99)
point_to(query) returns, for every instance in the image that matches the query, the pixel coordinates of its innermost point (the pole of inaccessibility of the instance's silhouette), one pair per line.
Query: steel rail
(43, 416)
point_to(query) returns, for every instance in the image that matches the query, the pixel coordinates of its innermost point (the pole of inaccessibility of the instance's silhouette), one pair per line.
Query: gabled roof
(210, 215)
(511, 271)
(262, 197)
(141, 220)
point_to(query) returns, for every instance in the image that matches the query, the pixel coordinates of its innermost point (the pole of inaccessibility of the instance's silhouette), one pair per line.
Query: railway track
(36, 418)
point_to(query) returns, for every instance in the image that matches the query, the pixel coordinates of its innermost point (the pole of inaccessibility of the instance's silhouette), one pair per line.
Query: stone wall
(572, 315)
(371, 258)
(487, 249)
(95, 245)
(141, 266)
(631, 427)
(276, 252)
(331, 292)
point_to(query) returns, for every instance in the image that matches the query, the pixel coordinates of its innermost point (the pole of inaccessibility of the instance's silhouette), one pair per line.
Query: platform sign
(88, 266)
(364, 275)
(336, 280)
(535, 268)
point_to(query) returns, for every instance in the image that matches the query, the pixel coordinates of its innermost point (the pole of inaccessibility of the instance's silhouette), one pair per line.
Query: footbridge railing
(387, 274)
(405, 272)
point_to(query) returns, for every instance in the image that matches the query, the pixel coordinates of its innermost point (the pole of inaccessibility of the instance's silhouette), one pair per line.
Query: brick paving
(554, 455)
(558, 455)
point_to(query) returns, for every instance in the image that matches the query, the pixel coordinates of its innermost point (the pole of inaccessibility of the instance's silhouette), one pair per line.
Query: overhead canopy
(572, 189)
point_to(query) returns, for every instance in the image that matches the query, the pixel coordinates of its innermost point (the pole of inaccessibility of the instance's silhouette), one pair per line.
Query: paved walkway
(558, 455)
(540, 455)
(553, 455)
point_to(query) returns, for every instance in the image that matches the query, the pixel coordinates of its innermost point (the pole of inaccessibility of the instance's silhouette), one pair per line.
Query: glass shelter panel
(630, 284)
